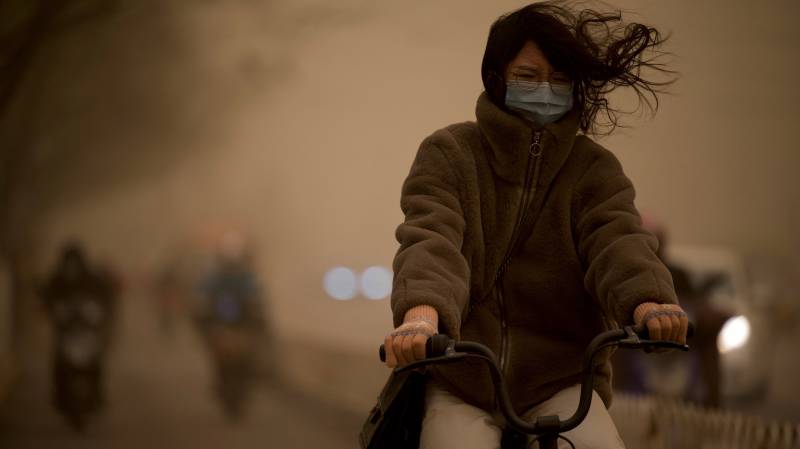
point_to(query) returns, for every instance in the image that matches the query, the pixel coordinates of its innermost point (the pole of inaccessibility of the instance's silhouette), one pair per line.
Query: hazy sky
(298, 121)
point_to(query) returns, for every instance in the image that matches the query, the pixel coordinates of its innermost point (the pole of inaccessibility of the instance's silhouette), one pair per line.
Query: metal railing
(647, 422)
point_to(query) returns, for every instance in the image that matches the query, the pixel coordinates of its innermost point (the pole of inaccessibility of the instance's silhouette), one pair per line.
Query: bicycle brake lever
(632, 340)
(664, 344)
(450, 355)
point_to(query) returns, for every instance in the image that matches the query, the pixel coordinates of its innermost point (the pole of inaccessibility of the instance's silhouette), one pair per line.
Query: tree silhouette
(26, 27)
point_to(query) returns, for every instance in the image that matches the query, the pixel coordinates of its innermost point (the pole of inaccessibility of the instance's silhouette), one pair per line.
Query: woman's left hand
(664, 321)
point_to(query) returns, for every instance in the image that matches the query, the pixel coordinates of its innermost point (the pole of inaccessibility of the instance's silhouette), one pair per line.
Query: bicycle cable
(536, 440)
(567, 440)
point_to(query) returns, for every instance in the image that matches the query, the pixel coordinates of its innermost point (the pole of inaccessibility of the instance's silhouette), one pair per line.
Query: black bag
(396, 420)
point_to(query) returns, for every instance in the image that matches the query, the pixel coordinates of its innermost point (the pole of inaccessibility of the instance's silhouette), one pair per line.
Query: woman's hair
(597, 50)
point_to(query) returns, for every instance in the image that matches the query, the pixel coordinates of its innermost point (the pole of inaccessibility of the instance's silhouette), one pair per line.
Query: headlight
(734, 334)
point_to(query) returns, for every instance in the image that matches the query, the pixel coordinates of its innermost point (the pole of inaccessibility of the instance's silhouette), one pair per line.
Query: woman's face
(531, 65)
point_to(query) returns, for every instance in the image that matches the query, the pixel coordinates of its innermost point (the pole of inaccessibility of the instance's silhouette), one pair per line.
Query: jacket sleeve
(618, 255)
(429, 267)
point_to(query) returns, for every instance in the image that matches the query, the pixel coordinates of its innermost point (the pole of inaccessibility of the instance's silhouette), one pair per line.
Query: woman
(521, 233)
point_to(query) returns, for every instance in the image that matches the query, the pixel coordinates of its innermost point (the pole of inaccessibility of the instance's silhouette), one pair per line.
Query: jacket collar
(509, 139)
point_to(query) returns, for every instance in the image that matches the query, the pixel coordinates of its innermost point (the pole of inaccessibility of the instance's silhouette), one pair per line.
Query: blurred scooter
(80, 344)
(79, 302)
(233, 353)
(229, 315)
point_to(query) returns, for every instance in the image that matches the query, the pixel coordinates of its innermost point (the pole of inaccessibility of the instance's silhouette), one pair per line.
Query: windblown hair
(597, 50)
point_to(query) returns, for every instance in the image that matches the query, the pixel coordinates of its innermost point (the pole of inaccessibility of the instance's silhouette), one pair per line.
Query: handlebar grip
(644, 333)
(434, 347)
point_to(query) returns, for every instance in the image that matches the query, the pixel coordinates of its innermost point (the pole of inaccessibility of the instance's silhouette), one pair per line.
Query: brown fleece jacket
(582, 261)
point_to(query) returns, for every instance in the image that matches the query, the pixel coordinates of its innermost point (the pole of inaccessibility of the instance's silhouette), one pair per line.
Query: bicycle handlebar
(437, 344)
(442, 349)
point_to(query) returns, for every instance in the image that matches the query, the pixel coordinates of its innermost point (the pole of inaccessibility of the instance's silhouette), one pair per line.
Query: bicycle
(546, 430)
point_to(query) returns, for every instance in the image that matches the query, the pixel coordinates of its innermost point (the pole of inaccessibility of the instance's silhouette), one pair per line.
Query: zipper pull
(536, 147)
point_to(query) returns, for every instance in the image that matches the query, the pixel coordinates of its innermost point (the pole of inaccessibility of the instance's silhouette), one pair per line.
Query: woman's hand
(664, 321)
(407, 343)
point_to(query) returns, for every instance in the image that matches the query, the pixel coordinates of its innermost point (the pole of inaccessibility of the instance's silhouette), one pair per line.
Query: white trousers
(450, 423)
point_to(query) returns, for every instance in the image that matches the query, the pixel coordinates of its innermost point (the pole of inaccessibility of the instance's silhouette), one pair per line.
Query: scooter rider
(78, 298)
(231, 318)
(521, 232)
(230, 294)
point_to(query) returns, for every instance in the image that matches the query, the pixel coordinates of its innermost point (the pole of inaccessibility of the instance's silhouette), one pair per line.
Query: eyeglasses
(533, 86)
(535, 76)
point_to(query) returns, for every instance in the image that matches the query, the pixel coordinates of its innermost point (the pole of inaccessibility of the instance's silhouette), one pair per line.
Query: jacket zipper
(529, 192)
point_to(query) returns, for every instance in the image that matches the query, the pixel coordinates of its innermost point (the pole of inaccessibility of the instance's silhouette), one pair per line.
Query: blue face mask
(541, 103)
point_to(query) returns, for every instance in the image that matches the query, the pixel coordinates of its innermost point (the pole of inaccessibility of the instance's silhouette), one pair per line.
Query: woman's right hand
(407, 342)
